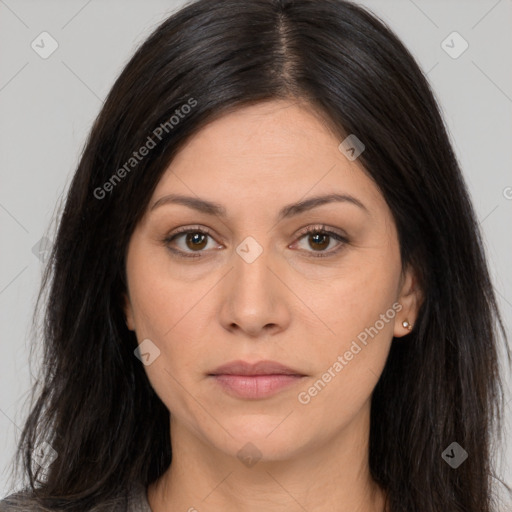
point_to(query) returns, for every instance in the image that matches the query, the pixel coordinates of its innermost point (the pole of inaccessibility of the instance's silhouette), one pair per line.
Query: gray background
(47, 107)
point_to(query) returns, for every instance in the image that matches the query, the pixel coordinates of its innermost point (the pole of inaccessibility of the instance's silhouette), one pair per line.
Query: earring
(407, 325)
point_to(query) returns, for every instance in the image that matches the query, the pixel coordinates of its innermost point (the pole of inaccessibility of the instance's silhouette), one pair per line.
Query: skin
(287, 306)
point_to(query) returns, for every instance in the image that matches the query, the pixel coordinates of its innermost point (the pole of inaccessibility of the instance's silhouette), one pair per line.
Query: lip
(255, 381)
(258, 368)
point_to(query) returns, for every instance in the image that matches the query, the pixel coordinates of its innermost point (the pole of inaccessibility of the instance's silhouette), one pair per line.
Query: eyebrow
(212, 208)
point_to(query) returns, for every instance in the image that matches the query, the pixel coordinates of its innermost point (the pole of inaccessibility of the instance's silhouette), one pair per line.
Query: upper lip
(258, 368)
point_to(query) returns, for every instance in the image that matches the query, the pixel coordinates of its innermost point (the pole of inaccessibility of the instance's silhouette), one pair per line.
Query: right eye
(191, 240)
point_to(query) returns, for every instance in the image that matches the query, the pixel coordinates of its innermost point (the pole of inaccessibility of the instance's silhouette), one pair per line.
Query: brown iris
(321, 241)
(197, 240)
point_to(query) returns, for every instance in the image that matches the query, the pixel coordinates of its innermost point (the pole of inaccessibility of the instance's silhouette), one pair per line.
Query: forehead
(266, 154)
(269, 128)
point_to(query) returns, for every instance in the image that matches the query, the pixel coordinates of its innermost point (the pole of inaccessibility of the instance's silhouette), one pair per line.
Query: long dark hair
(94, 404)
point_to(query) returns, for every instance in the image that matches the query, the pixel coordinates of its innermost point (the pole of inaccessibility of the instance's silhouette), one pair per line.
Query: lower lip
(255, 386)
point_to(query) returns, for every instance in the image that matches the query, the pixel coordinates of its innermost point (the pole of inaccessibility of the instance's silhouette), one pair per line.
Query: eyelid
(321, 228)
(191, 228)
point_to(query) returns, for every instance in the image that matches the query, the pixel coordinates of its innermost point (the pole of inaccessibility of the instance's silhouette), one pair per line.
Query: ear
(410, 298)
(128, 313)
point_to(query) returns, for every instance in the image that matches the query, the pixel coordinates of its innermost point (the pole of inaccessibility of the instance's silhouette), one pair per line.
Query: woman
(268, 290)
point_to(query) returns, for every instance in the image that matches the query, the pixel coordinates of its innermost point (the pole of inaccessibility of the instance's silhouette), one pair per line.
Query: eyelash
(310, 230)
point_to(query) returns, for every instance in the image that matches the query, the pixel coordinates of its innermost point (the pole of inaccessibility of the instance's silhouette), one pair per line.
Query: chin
(263, 436)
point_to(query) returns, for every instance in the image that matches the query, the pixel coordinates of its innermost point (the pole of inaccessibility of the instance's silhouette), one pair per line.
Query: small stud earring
(407, 325)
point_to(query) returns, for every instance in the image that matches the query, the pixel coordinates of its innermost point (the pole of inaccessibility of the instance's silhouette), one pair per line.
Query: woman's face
(247, 284)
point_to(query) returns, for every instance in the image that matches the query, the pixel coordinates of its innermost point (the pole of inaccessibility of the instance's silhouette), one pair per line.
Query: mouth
(255, 381)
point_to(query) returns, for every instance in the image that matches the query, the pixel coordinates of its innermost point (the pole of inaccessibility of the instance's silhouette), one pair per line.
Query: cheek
(162, 296)
(358, 309)
(174, 316)
(356, 298)
(169, 312)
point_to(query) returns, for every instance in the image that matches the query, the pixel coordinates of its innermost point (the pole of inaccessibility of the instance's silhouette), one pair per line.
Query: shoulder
(20, 501)
(134, 500)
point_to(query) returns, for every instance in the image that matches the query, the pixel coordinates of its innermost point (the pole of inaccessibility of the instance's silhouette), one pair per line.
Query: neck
(329, 476)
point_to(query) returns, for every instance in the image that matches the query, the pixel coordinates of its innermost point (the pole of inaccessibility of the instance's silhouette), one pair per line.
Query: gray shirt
(137, 502)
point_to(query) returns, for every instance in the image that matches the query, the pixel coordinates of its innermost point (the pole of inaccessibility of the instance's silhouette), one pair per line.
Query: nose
(254, 298)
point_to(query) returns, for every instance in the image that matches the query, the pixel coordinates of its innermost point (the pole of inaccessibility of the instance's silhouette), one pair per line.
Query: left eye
(320, 240)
